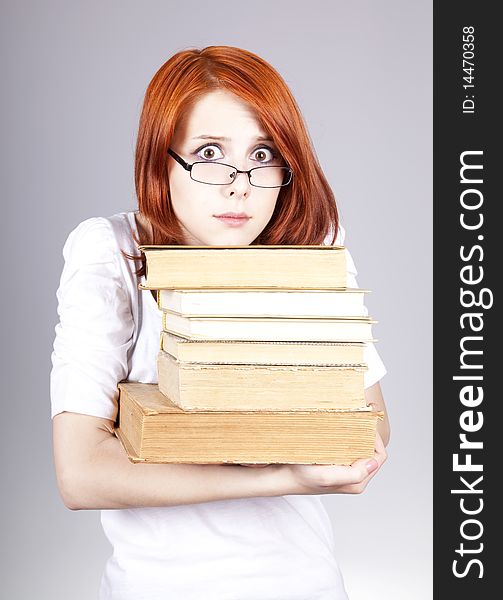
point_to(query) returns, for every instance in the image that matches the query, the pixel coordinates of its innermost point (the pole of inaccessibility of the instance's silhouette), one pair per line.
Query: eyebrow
(226, 139)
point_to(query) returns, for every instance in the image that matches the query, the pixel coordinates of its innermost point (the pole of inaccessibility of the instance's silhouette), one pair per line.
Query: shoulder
(94, 256)
(92, 241)
(339, 238)
(93, 276)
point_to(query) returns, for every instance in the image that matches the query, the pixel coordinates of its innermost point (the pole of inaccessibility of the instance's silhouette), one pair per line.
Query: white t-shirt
(279, 548)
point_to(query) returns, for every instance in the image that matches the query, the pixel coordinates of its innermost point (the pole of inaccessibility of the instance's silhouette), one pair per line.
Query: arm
(89, 358)
(93, 472)
(374, 398)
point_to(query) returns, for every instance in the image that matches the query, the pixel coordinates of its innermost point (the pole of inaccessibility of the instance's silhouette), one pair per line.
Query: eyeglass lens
(219, 174)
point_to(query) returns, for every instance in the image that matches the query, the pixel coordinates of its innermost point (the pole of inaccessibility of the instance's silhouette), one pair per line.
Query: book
(242, 352)
(347, 302)
(232, 387)
(153, 429)
(259, 266)
(288, 329)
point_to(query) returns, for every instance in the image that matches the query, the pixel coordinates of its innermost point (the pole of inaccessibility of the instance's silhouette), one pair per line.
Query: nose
(240, 186)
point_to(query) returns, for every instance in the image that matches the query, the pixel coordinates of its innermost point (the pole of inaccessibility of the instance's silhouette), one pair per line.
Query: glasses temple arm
(180, 160)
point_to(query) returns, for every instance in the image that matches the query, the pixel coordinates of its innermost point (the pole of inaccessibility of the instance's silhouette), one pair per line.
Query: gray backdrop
(73, 77)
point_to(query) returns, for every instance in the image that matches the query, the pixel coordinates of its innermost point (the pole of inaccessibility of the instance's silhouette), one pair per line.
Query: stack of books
(261, 359)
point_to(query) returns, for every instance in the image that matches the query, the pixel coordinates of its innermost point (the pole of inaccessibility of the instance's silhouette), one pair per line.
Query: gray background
(73, 78)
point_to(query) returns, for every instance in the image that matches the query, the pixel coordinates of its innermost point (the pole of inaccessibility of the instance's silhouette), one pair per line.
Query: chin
(228, 241)
(234, 240)
(230, 238)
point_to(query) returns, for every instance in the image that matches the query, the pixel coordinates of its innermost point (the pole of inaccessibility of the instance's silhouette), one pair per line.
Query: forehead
(220, 113)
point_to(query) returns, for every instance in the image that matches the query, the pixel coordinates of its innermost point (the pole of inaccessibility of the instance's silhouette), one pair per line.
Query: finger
(380, 455)
(344, 474)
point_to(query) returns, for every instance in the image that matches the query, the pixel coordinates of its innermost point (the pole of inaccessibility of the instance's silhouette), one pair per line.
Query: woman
(196, 531)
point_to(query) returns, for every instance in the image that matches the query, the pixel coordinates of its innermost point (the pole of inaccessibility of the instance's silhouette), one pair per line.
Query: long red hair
(305, 211)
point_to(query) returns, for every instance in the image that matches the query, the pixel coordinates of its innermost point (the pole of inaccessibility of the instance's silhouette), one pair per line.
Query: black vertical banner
(467, 327)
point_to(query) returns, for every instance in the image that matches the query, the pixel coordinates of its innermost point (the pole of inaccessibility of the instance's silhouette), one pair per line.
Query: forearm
(384, 429)
(94, 473)
(374, 399)
(114, 482)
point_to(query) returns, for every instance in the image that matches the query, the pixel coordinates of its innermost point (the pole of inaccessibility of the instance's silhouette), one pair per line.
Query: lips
(232, 215)
(233, 219)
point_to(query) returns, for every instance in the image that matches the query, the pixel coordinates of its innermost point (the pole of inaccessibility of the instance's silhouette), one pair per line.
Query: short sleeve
(376, 369)
(95, 328)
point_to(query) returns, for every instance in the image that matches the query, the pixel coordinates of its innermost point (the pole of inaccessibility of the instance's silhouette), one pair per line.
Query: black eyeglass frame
(188, 167)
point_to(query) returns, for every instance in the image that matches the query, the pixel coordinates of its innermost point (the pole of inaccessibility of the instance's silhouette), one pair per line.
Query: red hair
(305, 211)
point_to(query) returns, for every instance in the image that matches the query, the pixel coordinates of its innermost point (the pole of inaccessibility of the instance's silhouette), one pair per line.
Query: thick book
(152, 429)
(276, 329)
(265, 303)
(197, 386)
(243, 352)
(259, 266)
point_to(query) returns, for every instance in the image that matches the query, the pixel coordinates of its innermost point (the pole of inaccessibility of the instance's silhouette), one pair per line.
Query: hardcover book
(152, 429)
(198, 386)
(242, 352)
(270, 329)
(264, 303)
(298, 267)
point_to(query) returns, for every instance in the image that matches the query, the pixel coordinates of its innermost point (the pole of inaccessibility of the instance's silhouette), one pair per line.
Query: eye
(264, 154)
(209, 152)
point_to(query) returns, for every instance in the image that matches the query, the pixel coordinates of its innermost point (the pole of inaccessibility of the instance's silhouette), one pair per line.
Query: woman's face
(221, 128)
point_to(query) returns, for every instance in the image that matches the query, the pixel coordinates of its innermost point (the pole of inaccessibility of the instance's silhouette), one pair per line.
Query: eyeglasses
(214, 173)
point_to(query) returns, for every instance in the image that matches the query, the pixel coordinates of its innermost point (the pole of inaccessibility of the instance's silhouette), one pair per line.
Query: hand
(337, 479)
